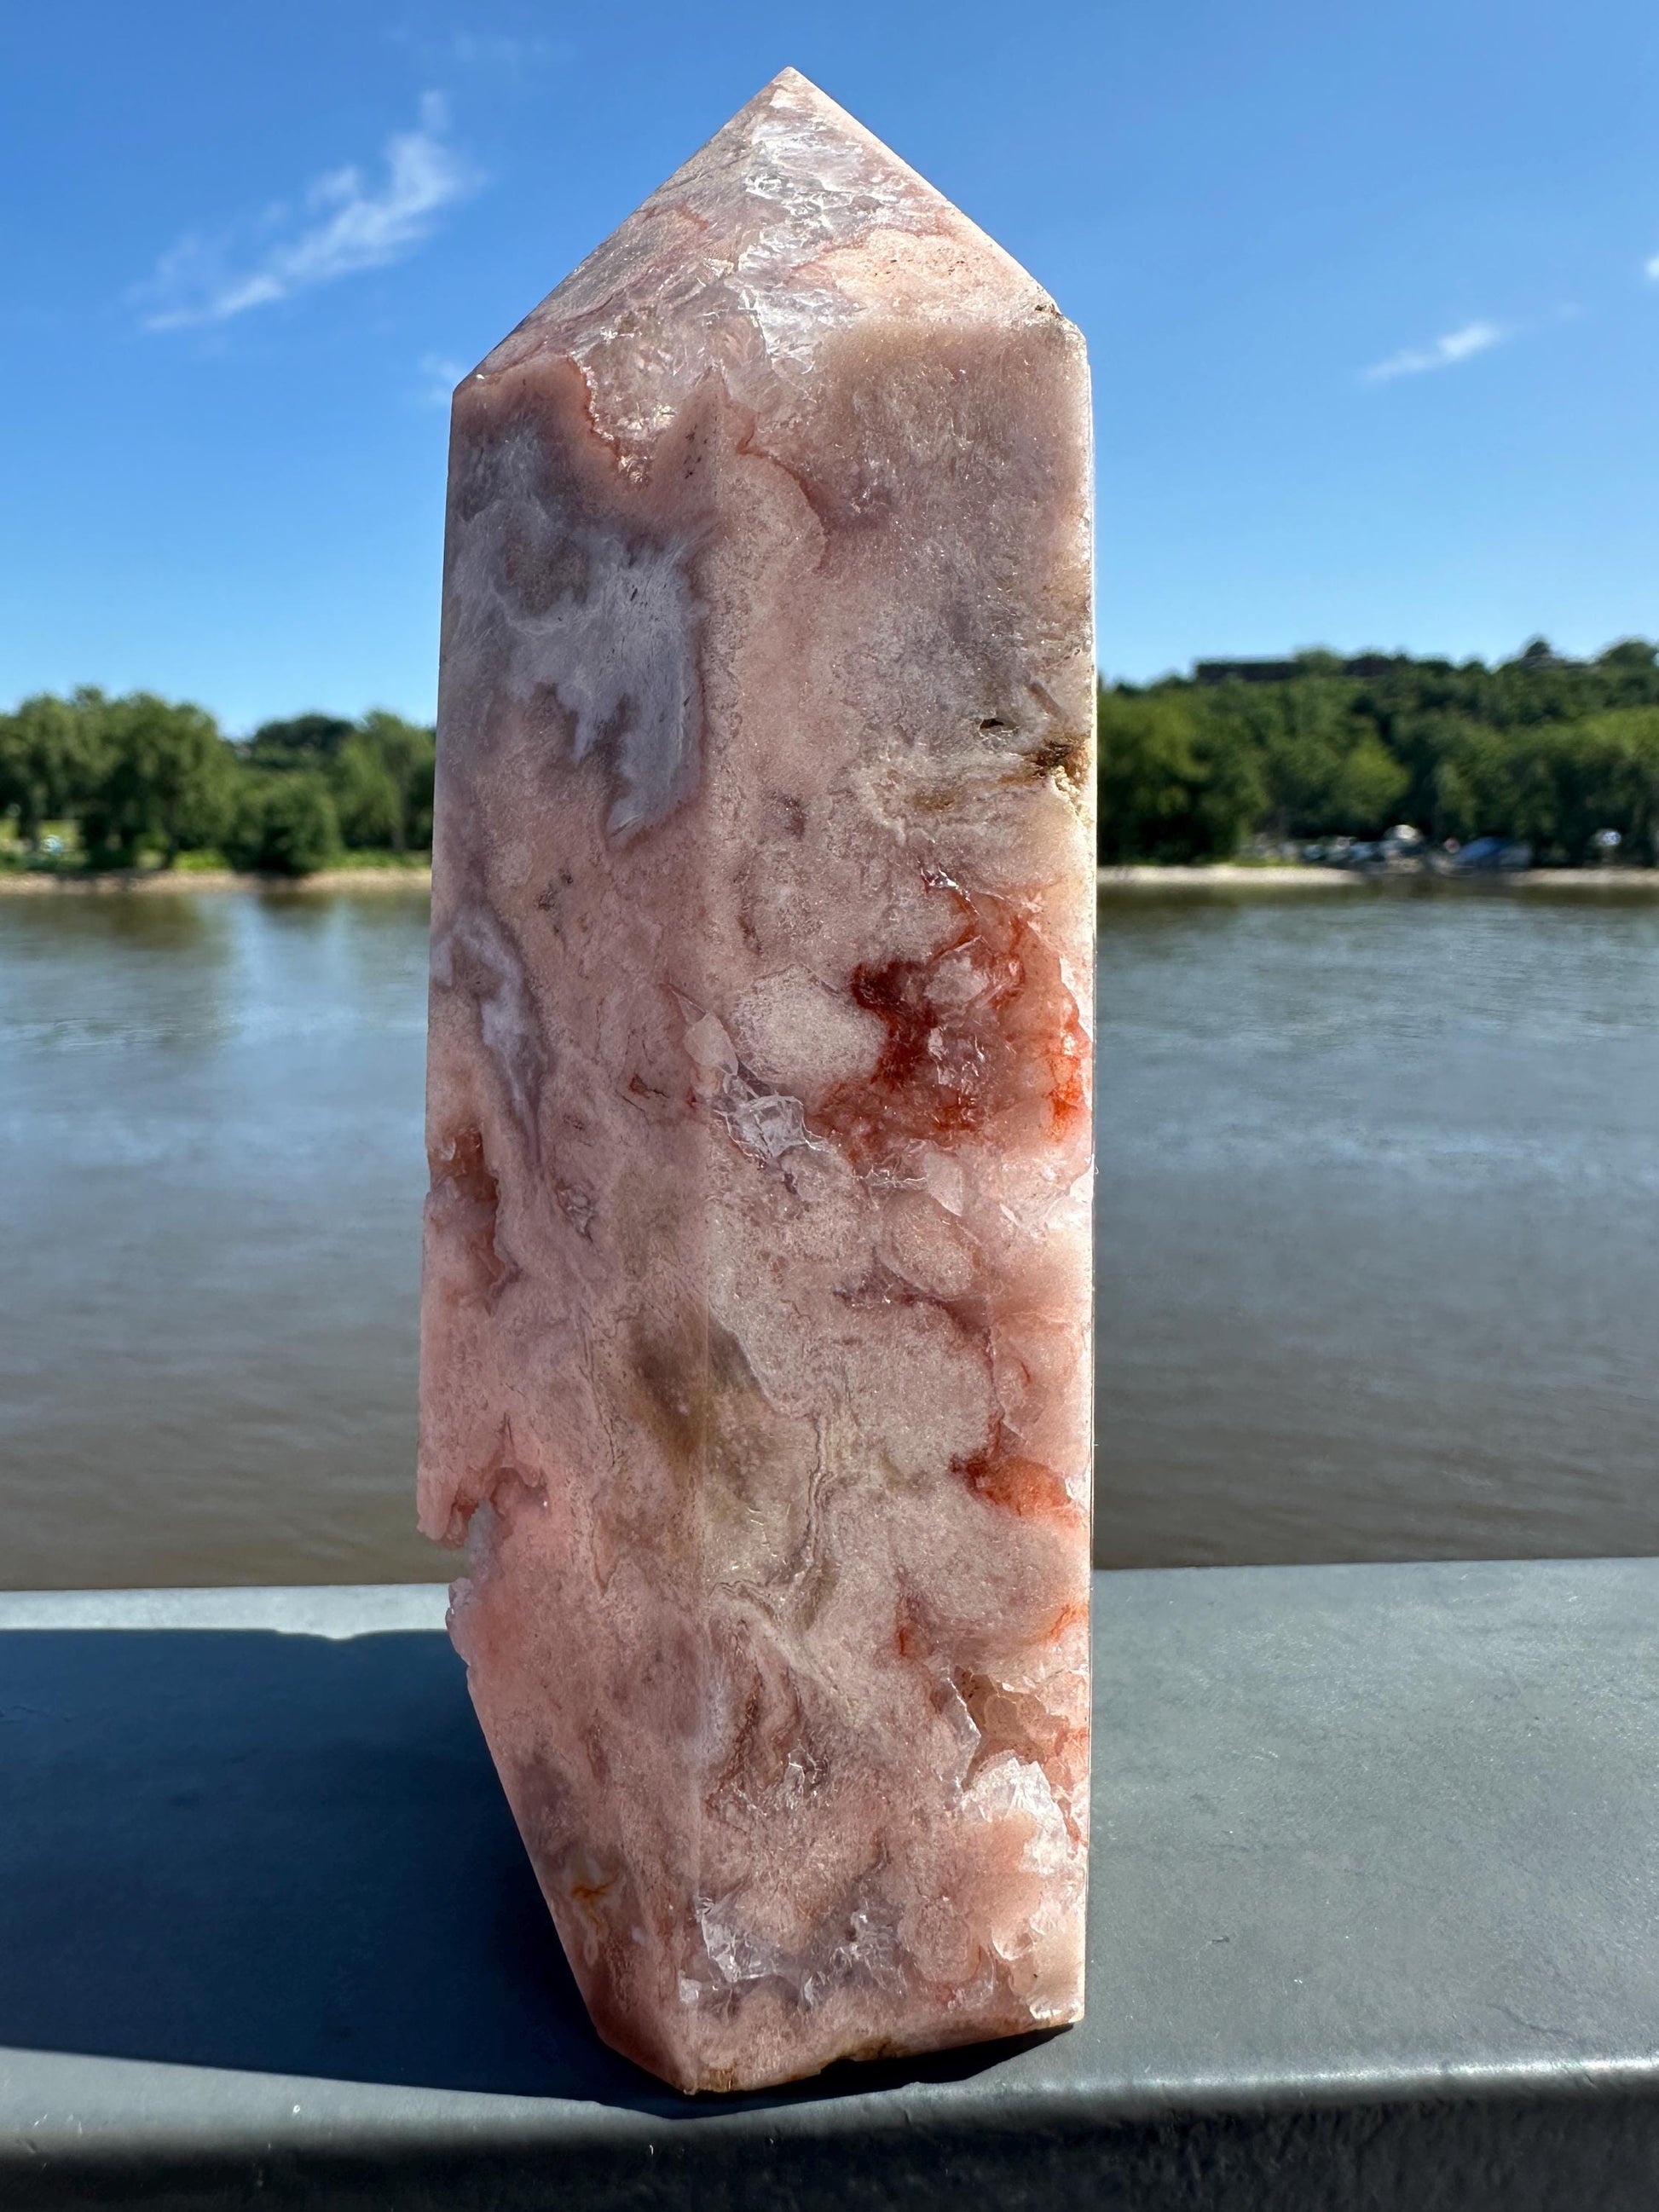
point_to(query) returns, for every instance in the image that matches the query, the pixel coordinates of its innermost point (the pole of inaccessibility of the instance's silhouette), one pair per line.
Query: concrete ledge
(1373, 1923)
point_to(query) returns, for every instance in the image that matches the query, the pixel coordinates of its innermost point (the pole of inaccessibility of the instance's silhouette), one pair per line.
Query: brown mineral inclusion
(756, 1326)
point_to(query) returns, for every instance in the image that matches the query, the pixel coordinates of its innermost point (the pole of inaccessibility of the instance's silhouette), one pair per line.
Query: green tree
(1606, 774)
(382, 782)
(1629, 673)
(164, 780)
(50, 758)
(1367, 788)
(284, 822)
(366, 797)
(1174, 784)
(302, 741)
(409, 751)
(1556, 785)
(1325, 767)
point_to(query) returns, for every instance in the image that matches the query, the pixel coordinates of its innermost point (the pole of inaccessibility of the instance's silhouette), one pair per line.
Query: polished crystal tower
(756, 1326)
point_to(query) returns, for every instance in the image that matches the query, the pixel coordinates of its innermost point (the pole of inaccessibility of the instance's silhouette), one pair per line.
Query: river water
(1378, 1263)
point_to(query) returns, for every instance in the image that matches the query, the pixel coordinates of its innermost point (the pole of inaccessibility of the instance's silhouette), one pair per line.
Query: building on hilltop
(1282, 672)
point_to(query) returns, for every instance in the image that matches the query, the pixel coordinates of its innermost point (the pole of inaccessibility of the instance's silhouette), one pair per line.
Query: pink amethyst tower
(756, 1361)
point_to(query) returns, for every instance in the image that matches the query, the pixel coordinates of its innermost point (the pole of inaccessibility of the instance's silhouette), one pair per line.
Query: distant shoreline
(149, 882)
(1230, 876)
(1224, 875)
(1220, 875)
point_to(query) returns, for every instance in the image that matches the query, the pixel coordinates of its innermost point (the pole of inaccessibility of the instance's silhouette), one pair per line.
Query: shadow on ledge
(291, 1855)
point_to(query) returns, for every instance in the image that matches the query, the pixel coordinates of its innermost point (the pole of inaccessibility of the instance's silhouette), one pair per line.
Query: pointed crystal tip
(791, 223)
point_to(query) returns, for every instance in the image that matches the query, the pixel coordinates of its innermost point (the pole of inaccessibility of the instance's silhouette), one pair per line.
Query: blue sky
(1372, 296)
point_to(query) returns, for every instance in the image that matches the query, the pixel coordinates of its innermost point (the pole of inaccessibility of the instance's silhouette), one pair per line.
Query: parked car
(1484, 856)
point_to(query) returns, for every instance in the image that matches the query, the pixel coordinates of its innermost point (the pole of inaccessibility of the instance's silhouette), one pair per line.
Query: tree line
(143, 779)
(1541, 748)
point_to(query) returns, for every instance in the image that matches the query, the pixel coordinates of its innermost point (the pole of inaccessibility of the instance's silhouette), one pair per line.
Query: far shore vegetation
(1547, 751)
(1256, 759)
(90, 784)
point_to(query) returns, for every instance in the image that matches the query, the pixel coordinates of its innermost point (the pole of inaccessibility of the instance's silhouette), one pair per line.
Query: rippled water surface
(1379, 1232)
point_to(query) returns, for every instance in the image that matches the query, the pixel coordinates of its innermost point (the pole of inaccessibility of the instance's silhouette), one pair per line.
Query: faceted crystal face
(756, 1310)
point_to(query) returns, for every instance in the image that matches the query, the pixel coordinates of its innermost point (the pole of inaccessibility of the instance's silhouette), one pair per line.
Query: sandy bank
(153, 881)
(1225, 875)
(1643, 880)
(1229, 877)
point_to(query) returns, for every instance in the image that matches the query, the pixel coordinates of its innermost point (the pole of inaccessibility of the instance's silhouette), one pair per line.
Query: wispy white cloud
(440, 373)
(348, 224)
(1461, 344)
(1651, 267)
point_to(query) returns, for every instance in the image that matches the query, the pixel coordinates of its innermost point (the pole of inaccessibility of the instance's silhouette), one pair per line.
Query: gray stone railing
(1375, 1896)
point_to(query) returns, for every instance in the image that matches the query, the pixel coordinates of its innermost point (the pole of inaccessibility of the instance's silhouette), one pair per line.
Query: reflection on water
(1378, 1265)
